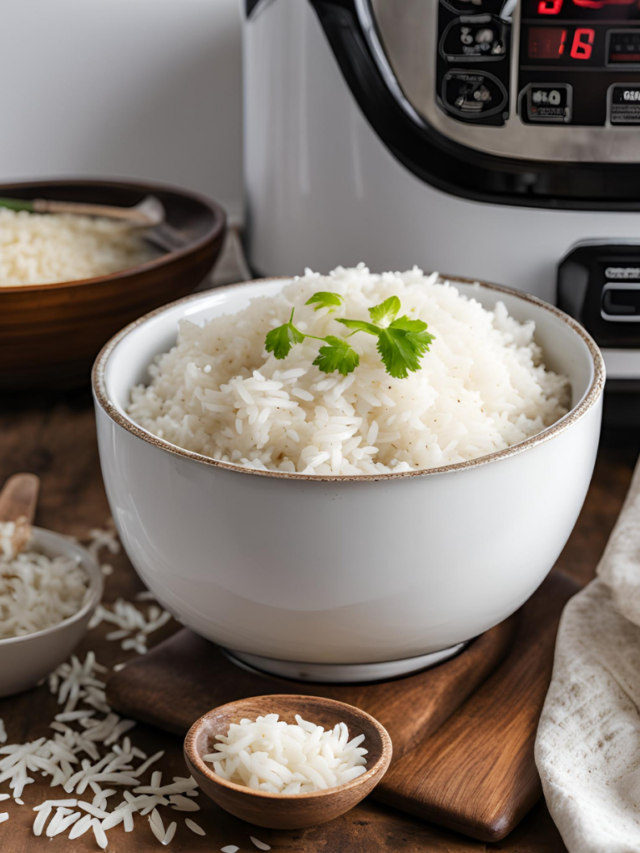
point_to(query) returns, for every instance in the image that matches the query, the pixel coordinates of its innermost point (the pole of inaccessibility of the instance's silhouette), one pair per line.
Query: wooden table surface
(55, 438)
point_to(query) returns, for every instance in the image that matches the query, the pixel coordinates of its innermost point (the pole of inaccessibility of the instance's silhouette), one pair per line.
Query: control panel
(578, 62)
(473, 65)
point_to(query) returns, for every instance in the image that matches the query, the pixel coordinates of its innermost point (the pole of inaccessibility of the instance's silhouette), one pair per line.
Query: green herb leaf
(280, 340)
(402, 345)
(387, 310)
(409, 324)
(16, 204)
(338, 355)
(398, 355)
(417, 333)
(360, 326)
(325, 299)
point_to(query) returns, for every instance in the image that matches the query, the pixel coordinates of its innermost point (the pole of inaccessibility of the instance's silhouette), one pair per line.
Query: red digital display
(570, 8)
(582, 44)
(551, 42)
(546, 42)
(600, 4)
(550, 7)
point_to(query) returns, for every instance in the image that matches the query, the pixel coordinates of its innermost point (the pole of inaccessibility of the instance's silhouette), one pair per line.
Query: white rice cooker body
(322, 189)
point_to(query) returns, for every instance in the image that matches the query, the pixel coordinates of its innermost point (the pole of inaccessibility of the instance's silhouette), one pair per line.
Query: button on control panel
(470, 39)
(472, 94)
(470, 45)
(621, 302)
(624, 103)
(623, 47)
(547, 102)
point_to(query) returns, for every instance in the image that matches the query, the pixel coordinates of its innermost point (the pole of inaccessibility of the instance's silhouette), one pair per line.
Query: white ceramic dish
(291, 571)
(26, 660)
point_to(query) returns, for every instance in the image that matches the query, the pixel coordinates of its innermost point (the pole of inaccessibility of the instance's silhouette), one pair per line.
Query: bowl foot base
(333, 673)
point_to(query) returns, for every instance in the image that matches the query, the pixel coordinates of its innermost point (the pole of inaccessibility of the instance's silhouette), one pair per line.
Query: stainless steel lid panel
(444, 99)
(412, 34)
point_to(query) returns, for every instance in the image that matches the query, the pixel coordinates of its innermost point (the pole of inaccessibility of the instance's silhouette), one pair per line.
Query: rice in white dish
(42, 248)
(481, 388)
(38, 592)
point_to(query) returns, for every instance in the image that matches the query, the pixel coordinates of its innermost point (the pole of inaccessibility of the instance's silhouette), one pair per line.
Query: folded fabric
(588, 741)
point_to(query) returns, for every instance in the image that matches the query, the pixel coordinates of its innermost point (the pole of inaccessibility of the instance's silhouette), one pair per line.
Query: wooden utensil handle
(136, 217)
(19, 497)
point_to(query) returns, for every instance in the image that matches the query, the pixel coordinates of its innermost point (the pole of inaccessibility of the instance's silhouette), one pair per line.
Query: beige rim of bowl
(577, 412)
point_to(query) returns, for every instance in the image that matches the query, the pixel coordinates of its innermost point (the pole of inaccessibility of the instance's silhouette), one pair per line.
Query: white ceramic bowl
(326, 571)
(26, 660)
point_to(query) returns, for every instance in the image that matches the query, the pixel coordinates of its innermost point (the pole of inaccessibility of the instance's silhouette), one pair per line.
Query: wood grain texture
(477, 773)
(54, 436)
(51, 333)
(278, 811)
(186, 676)
(474, 773)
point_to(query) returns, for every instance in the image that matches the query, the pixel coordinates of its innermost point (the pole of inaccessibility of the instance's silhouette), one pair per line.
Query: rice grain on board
(481, 388)
(194, 827)
(90, 748)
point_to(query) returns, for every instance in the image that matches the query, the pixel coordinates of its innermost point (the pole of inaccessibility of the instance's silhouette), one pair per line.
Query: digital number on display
(561, 43)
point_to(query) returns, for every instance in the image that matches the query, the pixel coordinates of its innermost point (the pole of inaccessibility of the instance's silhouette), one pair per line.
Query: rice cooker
(485, 138)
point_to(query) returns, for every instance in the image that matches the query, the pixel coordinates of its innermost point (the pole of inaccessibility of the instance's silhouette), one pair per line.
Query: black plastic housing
(602, 278)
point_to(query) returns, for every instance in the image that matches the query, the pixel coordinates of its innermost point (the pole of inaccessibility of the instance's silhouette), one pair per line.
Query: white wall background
(135, 88)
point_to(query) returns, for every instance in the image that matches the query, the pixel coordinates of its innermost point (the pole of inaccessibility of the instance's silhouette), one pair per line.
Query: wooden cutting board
(462, 732)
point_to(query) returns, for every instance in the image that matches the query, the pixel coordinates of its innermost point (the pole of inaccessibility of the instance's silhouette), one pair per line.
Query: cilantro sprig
(402, 341)
(280, 340)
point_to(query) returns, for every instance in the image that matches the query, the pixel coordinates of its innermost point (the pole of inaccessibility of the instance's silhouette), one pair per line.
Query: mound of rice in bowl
(44, 248)
(482, 387)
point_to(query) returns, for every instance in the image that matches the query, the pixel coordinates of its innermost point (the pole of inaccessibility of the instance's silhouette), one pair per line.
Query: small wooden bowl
(51, 333)
(292, 811)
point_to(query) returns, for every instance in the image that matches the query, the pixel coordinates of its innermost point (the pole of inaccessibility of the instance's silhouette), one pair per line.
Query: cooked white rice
(482, 387)
(37, 592)
(39, 248)
(268, 754)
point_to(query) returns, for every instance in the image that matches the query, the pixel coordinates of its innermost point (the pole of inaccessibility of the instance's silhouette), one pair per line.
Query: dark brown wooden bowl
(291, 811)
(51, 333)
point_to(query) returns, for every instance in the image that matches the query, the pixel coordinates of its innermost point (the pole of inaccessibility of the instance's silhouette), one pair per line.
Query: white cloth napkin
(588, 741)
